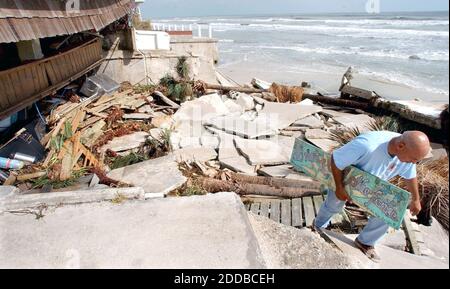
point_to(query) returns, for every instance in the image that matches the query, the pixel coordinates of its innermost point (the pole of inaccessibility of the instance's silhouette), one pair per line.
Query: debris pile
(170, 139)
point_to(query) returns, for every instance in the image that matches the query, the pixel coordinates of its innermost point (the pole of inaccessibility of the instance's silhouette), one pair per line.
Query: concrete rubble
(126, 142)
(390, 258)
(145, 154)
(192, 232)
(157, 176)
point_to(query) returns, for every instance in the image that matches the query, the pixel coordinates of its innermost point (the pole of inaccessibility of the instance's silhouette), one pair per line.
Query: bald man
(386, 155)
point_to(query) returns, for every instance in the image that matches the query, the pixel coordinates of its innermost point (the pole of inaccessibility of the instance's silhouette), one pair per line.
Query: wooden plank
(308, 209)
(22, 103)
(79, 117)
(255, 208)
(275, 211)
(9, 91)
(35, 79)
(51, 73)
(4, 100)
(68, 66)
(286, 212)
(264, 210)
(43, 79)
(94, 42)
(90, 121)
(81, 61)
(72, 62)
(297, 216)
(318, 201)
(17, 86)
(59, 74)
(27, 82)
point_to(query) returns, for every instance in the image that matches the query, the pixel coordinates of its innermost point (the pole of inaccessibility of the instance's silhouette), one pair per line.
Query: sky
(183, 8)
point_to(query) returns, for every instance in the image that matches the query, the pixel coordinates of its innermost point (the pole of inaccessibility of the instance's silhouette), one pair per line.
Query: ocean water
(411, 49)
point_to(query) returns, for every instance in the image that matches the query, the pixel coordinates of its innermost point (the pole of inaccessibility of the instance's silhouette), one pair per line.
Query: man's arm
(413, 187)
(338, 176)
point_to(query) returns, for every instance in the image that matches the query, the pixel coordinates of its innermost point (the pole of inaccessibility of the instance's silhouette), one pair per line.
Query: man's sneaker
(369, 251)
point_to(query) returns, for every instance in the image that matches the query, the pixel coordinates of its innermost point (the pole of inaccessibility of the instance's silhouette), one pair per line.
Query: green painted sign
(380, 198)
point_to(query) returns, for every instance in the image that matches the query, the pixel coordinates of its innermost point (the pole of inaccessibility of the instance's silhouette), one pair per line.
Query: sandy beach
(325, 82)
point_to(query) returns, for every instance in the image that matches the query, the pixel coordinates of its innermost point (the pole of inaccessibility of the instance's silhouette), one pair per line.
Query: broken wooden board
(378, 197)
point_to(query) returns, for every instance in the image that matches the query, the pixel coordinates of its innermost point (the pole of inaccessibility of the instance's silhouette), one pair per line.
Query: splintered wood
(87, 121)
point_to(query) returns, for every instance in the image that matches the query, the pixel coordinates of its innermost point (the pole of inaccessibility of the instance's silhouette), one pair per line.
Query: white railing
(200, 29)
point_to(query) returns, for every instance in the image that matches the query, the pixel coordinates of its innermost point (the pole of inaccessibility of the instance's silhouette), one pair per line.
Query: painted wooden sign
(380, 198)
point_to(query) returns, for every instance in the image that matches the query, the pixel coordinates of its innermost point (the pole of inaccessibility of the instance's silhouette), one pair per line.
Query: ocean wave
(426, 55)
(396, 78)
(226, 40)
(337, 30)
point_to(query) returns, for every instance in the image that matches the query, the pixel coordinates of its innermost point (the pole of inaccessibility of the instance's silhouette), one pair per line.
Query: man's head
(412, 146)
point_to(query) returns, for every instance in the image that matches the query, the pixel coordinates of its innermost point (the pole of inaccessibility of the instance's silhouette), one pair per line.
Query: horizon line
(307, 13)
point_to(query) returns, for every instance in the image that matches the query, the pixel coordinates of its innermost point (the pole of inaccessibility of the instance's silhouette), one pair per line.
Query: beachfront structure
(45, 45)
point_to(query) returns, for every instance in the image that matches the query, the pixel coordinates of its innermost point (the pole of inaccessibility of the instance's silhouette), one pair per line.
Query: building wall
(202, 54)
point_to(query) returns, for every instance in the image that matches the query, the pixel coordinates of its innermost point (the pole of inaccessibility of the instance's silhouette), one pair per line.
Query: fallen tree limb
(166, 99)
(274, 182)
(216, 186)
(336, 101)
(235, 88)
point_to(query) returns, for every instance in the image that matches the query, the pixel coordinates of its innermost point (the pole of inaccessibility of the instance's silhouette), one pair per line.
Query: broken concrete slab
(276, 171)
(360, 121)
(229, 156)
(201, 109)
(390, 258)
(309, 122)
(156, 134)
(18, 202)
(241, 127)
(186, 142)
(94, 181)
(126, 142)
(137, 116)
(210, 141)
(321, 139)
(233, 107)
(286, 247)
(262, 152)
(169, 233)
(245, 101)
(282, 115)
(435, 239)
(438, 151)
(157, 176)
(334, 113)
(199, 154)
(7, 191)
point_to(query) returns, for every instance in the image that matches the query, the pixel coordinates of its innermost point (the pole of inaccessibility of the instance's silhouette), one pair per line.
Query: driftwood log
(216, 186)
(375, 103)
(166, 100)
(273, 182)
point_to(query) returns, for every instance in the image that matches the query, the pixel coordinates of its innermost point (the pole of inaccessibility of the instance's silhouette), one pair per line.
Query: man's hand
(413, 187)
(341, 194)
(415, 207)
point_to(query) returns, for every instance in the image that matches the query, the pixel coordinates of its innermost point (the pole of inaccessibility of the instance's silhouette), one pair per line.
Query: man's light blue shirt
(369, 152)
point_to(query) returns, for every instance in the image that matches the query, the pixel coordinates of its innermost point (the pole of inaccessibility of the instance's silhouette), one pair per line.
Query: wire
(39, 113)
